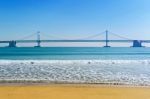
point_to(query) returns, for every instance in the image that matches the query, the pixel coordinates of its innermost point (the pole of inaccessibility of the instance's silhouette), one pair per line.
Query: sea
(89, 65)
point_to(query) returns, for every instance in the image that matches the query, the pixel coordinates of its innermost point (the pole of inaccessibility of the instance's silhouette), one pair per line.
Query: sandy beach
(73, 91)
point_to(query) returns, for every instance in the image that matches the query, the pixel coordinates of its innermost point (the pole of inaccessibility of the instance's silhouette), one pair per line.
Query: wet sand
(73, 91)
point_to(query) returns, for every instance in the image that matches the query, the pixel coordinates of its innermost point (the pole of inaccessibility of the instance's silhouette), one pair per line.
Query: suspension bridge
(106, 40)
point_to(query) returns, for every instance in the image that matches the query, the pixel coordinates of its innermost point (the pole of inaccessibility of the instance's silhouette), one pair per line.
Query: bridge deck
(44, 41)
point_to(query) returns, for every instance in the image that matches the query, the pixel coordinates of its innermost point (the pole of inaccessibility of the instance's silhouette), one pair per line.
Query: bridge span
(135, 43)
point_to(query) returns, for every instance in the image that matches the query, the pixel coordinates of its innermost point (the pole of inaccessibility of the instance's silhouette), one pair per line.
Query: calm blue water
(129, 66)
(74, 53)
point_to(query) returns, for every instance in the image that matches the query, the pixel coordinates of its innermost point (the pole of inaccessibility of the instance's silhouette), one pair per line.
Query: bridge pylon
(38, 39)
(106, 39)
(137, 43)
(12, 44)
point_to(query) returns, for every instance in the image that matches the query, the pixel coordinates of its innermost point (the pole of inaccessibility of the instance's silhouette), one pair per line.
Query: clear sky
(74, 18)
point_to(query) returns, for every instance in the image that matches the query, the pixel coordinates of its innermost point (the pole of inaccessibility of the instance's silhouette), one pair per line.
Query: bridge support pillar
(106, 46)
(106, 40)
(38, 39)
(12, 44)
(38, 44)
(137, 43)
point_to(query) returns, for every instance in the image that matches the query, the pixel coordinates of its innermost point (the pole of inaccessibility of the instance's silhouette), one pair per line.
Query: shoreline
(71, 84)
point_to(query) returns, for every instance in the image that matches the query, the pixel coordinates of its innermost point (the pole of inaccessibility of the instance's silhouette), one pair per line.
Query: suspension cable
(120, 36)
(91, 36)
(26, 37)
(47, 36)
(88, 37)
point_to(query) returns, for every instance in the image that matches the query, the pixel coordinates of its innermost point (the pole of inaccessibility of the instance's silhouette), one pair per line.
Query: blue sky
(74, 18)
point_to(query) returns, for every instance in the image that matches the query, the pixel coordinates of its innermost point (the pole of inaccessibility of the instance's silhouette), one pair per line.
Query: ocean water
(116, 65)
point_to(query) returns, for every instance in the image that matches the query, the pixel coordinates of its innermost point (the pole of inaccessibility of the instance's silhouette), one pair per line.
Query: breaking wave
(125, 72)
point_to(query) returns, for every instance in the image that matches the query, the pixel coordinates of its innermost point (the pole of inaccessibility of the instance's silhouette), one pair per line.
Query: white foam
(77, 71)
(77, 61)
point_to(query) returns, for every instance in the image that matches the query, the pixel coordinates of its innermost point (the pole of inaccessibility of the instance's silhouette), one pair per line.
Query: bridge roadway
(44, 41)
(136, 43)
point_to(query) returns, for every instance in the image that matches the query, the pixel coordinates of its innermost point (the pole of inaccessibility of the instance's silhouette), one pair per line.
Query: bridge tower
(38, 39)
(137, 43)
(12, 44)
(106, 39)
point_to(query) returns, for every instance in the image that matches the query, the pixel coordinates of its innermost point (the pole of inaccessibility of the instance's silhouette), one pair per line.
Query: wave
(117, 72)
(75, 61)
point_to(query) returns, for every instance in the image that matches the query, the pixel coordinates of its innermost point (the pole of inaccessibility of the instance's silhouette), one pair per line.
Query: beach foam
(130, 72)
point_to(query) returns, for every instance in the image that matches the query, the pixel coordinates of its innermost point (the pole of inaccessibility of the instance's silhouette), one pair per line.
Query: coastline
(24, 83)
(74, 85)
